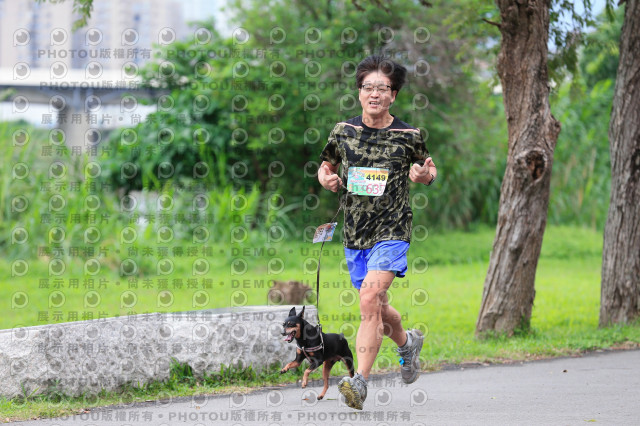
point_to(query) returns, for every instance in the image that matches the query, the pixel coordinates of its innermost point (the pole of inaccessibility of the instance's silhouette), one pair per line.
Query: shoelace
(360, 384)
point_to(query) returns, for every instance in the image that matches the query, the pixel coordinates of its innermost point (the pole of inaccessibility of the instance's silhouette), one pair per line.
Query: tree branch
(357, 6)
(492, 23)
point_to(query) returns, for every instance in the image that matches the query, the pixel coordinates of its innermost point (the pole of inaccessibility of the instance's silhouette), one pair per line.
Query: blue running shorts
(384, 256)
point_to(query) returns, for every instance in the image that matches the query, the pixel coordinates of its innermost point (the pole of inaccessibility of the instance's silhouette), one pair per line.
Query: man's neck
(377, 122)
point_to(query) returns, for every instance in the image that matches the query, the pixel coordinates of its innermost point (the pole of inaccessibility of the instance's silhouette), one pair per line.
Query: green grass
(450, 268)
(442, 299)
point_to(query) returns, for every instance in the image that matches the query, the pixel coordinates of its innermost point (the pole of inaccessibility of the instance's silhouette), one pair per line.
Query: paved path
(601, 388)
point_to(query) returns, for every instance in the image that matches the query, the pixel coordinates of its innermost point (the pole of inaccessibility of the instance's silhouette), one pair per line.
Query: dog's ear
(301, 314)
(292, 312)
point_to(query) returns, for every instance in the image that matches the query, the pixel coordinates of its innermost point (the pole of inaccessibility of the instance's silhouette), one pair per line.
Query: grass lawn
(440, 295)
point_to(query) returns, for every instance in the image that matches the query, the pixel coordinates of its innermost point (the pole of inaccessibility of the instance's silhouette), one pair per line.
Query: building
(118, 34)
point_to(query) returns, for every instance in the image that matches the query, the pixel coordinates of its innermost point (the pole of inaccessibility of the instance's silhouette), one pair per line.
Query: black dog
(317, 347)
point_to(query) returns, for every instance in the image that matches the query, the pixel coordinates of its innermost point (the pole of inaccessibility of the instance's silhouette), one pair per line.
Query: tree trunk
(620, 291)
(507, 299)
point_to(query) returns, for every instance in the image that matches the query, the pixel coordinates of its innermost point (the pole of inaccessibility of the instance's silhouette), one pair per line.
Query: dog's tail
(348, 358)
(349, 363)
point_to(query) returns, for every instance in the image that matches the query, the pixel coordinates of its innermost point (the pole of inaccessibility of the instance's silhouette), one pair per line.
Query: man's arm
(328, 178)
(423, 174)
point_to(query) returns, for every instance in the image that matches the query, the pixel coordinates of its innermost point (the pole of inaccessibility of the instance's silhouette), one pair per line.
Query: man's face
(375, 94)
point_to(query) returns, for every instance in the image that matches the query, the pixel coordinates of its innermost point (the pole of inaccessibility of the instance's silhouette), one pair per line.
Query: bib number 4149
(369, 181)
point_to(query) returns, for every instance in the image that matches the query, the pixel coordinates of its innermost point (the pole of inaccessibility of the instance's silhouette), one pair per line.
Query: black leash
(340, 206)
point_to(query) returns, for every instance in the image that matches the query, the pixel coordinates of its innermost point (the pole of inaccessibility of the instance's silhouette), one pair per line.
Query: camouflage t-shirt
(371, 219)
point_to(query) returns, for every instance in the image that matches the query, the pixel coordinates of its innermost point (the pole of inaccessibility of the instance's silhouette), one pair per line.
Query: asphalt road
(601, 388)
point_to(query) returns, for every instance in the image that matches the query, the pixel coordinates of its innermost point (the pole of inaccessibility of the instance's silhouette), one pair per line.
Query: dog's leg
(292, 364)
(305, 377)
(295, 363)
(313, 364)
(326, 373)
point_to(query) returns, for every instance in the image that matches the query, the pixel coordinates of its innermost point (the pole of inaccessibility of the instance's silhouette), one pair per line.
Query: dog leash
(340, 206)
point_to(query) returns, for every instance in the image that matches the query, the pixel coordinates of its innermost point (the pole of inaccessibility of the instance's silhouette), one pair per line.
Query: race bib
(369, 181)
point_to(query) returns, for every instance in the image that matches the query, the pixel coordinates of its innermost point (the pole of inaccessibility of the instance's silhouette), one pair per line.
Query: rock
(290, 293)
(88, 356)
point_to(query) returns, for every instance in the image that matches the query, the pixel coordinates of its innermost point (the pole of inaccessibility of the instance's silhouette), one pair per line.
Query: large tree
(620, 291)
(509, 292)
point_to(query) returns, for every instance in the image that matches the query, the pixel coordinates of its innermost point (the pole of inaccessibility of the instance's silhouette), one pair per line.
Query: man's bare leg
(392, 322)
(371, 331)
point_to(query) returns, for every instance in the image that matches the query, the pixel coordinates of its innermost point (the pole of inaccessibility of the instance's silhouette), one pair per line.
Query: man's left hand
(425, 173)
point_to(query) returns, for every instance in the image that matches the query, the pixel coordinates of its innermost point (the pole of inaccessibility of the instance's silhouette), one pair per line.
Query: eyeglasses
(381, 88)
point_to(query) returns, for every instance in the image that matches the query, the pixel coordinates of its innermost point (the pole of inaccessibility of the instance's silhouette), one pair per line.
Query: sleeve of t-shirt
(331, 153)
(420, 151)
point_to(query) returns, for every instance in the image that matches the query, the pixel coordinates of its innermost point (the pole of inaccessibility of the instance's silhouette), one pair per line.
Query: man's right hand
(328, 178)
